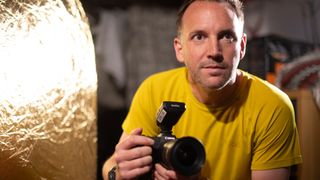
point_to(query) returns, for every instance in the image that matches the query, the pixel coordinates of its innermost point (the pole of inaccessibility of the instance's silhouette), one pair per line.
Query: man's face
(211, 44)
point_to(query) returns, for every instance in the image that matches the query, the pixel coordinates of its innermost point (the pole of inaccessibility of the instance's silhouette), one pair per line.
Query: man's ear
(178, 49)
(243, 45)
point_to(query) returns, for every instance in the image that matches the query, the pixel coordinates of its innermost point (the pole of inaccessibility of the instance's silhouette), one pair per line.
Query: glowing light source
(47, 90)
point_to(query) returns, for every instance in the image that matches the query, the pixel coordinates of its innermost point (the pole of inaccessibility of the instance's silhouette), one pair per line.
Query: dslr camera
(184, 155)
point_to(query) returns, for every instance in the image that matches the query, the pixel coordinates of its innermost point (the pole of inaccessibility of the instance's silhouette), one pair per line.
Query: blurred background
(134, 38)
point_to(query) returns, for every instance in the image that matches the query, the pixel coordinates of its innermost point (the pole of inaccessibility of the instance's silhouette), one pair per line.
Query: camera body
(185, 155)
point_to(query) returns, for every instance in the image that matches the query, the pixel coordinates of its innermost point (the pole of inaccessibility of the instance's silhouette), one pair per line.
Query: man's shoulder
(166, 82)
(171, 74)
(262, 89)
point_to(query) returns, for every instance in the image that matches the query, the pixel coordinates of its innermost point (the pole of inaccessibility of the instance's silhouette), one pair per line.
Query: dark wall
(109, 120)
(126, 3)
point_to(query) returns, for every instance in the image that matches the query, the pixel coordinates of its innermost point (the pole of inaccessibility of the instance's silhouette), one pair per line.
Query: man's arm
(132, 156)
(110, 163)
(273, 174)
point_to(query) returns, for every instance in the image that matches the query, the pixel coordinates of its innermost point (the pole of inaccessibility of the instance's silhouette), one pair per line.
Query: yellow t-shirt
(256, 130)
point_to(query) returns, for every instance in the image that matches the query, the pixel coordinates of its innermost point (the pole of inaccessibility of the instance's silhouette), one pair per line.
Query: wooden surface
(308, 123)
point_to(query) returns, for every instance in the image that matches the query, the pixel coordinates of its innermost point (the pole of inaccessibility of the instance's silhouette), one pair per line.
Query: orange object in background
(272, 76)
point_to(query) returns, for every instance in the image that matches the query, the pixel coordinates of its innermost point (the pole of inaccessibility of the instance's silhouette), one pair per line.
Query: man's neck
(217, 97)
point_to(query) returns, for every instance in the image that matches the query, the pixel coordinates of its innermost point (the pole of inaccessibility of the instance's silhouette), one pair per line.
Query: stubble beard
(211, 83)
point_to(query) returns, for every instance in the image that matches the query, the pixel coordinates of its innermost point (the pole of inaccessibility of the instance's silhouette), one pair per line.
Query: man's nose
(214, 50)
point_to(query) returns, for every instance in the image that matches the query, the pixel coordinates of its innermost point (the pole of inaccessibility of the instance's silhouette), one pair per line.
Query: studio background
(134, 39)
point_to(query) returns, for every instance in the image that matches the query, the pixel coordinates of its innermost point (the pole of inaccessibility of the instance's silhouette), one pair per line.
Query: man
(246, 125)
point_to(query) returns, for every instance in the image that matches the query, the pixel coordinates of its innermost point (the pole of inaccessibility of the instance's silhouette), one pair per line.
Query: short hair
(236, 6)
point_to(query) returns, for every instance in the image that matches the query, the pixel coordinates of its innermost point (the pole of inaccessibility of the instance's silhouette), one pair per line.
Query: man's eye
(198, 37)
(229, 37)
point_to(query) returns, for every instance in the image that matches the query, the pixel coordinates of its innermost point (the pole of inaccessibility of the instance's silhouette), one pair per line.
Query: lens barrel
(185, 155)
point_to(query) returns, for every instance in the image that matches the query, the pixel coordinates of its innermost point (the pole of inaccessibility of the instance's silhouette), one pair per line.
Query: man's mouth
(214, 69)
(213, 66)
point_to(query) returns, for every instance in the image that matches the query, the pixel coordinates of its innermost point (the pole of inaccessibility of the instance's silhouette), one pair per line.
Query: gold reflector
(48, 90)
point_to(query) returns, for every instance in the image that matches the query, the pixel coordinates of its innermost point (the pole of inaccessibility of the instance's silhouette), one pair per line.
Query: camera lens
(185, 155)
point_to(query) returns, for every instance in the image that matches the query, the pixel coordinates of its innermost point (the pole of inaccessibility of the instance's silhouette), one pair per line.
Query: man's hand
(133, 155)
(162, 173)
